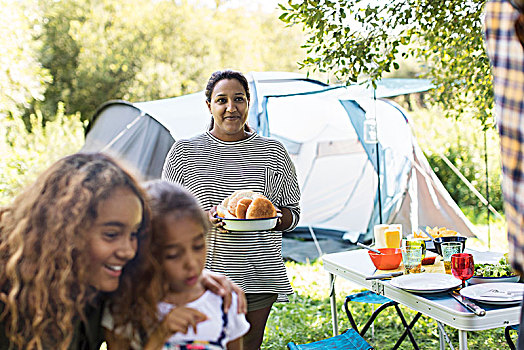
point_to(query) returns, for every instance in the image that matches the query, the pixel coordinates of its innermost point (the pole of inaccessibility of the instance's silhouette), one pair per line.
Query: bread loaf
(242, 206)
(260, 208)
(235, 197)
(246, 204)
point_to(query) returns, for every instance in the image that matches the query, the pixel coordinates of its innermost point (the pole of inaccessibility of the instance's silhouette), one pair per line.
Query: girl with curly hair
(74, 235)
(69, 242)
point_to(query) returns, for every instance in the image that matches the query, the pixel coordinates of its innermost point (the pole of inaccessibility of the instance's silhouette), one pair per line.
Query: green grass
(307, 317)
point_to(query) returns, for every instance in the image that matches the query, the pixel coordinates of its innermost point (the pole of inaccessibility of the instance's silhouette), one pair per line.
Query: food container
(388, 236)
(481, 279)
(437, 241)
(429, 259)
(247, 225)
(389, 260)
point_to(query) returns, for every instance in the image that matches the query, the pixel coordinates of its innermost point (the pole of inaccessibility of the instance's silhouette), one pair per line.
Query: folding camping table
(355, 266)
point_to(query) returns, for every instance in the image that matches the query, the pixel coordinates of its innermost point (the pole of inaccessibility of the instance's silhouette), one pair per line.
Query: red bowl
(389, 260)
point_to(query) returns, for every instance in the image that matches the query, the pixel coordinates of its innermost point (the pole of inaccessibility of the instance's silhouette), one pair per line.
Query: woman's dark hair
(168, 198)
(226, 74)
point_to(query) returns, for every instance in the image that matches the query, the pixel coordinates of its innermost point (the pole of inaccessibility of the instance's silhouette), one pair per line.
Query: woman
(74, 236)
(229, 157)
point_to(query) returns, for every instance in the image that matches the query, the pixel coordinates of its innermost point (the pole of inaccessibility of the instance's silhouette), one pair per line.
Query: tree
(22, 78)
(137, 50)
(92, 50)
(364, 40)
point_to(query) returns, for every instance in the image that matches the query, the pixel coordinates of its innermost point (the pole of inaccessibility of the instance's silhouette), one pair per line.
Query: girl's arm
(222, 286)
(235, 344)
(177, 320)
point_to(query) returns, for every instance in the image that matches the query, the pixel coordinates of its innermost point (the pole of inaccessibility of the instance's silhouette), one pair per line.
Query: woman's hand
(285, 220)
(221, 285)
(177, 320)
(216, 221)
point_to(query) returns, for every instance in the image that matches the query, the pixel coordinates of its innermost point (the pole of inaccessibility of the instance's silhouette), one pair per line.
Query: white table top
(356, 265)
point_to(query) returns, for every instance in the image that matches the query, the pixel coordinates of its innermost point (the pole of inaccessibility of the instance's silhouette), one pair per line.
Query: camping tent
(324, 130)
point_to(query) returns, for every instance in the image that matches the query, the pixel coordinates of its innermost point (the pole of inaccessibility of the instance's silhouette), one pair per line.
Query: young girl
(69, 242)
(70, 238)
(191, 315)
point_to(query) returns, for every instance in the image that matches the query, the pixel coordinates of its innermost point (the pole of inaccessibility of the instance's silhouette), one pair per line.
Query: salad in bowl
(499, 272)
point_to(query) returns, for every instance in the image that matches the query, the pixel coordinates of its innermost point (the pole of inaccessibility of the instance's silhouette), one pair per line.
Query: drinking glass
(448, 249)
(412, 259)
(462, 266)
(417, 242)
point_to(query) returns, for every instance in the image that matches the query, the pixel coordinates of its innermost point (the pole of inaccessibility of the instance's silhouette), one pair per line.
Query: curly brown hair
(43, 261)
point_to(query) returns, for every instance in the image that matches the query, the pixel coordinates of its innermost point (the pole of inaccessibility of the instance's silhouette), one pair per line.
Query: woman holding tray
(230, 157)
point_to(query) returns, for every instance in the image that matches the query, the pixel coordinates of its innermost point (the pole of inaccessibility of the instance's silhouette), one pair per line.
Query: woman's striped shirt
(212, 169)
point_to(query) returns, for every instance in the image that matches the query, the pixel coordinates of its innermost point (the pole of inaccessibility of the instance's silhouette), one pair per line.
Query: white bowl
(480, 279)
(248, 225)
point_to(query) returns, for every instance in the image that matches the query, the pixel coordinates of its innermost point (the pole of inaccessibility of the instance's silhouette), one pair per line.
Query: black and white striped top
(212, 169)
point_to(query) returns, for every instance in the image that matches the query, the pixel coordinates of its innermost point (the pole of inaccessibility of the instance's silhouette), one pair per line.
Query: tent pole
(121, 133)
(378, 161)
(487, 185)
(379, 191)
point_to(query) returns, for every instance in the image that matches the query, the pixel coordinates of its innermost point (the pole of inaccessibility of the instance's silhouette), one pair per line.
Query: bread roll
(221, 211)
(235, 197)
(261, 208)
(224, 213)
(246, 204)
(242, 206)
(225, 202)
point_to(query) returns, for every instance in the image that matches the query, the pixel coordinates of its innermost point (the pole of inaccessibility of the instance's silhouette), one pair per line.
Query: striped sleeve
(173, 169)
(290, 190)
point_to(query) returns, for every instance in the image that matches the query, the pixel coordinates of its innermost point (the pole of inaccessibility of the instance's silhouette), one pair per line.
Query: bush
(462, 142)
(26, 154)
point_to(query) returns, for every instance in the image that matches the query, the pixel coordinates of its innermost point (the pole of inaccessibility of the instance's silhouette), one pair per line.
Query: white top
(215, 330)
(212, 169)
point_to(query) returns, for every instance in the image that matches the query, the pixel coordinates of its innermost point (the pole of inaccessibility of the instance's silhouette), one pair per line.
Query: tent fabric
(136, 139)
(321, 127)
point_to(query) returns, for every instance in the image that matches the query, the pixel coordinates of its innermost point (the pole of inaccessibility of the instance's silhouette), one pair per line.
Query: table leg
(463, 340)
(333, 297)
(444, 337)
(441, 339)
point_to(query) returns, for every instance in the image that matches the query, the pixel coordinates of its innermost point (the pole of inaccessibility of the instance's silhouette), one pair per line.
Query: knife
(385, 275)
(477, 310)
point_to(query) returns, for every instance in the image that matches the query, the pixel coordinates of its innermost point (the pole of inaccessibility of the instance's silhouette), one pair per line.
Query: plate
(482, 292)
(426, 282)
(250, 225)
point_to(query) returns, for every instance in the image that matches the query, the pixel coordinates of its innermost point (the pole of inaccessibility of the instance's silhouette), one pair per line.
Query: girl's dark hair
(166, 198)
(226, 74)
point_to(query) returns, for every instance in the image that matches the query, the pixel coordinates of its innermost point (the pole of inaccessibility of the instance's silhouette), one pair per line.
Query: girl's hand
(177, 320)
(223, 286)
(216, 221)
